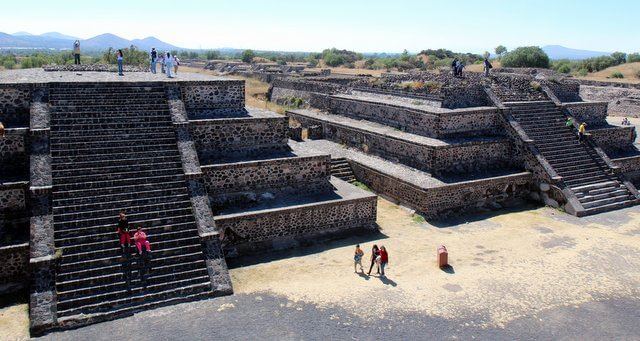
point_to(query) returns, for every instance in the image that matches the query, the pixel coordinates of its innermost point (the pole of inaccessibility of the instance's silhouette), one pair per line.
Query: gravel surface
(41, 76)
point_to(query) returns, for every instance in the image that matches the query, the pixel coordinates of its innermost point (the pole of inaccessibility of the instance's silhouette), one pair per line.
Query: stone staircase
(114, 148)
(341, 169)
(582, 169)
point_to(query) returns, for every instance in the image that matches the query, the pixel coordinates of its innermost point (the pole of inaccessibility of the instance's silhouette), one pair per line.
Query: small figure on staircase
(582, 130)
(569, 122)
(76, 52)
(144, 252)
(123, 233)
(1, 130)
(454, 67)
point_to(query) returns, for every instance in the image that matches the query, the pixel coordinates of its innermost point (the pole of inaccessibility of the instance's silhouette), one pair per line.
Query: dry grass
(14, 322)
(255, 91)
(629, 70)
(480, 67)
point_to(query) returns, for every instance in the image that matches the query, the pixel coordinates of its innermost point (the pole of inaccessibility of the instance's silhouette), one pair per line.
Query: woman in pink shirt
(141, 240)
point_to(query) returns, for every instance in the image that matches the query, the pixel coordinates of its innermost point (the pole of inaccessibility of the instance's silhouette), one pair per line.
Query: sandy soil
(503, 267)
(629, 70)
(14, 322)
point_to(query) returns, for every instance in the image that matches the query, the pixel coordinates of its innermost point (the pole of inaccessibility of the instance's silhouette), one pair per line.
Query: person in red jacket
(123, 233)
(140, 238)
(384, 259)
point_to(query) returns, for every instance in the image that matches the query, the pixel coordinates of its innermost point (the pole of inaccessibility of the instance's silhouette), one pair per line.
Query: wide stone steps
(158, 254)
(82, 179)
(341, 169)
(82, 90)
(113, 133)
(106, 101)
(123, 109)
(133, 200)
(127, 190)
(107, 127)
(146, 300)
(117, 286)
(137, 120)
(113, 211)
(112, 150)
(108, 184)
(120, 198)
(83, 224)
(117, 276)
(120, 168)
(136, 136)
(113, 143)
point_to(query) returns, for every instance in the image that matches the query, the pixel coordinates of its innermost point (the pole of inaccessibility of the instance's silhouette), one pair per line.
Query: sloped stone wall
(214, 95)
(14, 105)
(449, 199)
(224, 137)
(594, 113)
(15, 264)
(13, 153)
(565, 91)
(614, 140)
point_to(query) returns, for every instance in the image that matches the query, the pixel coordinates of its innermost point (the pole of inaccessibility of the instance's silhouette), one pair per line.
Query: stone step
(606, 201)
(107, 138)
(146, 300)
(111, 133)
(560, 147)
(615, 186)
(583, 170)
(102, 96)
(113, 211)
(609, 207)
(155, 197)
(94, 101)
(537, 103)
(84, 226)
(579, 165)
(595, 186)
(612, 192)
(550, 134)
(568, 139)
(82, 295)
(137, 167)
(106, 127)
(107, 160)
(122, 199)
(121, 142)
(160, 148)
(126, 190)
(123, 108)
(107, 236)
(83, 281)
(579, 182)
(585, 175)
(157, 171)
(107, 114)
(158, 255)
(100, 120)
(171, 262)
(107, 184)
(114, 249)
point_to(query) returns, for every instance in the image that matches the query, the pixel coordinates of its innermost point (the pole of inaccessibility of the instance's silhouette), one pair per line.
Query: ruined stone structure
(442, 144)
(204, 176)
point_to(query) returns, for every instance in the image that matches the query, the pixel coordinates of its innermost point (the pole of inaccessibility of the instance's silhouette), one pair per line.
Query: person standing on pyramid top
(76, 52)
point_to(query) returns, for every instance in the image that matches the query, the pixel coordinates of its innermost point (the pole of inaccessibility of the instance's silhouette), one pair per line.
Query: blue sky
(361, 25)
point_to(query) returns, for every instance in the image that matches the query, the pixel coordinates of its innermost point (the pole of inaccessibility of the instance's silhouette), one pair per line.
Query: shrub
(599, 63)
(564, 68)
(536, 86)
(617, 74)
(633, 57)
(529, 56)
(9, 64)
(248, 55)
(583, 72)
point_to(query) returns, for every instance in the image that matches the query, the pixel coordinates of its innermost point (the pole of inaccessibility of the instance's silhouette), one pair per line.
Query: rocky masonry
(204, 176)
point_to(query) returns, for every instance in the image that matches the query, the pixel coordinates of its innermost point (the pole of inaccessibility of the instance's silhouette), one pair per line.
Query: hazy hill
(561, 52)
(59, 41)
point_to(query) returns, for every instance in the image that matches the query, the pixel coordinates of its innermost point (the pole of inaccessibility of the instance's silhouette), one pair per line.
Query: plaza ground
(531, 273)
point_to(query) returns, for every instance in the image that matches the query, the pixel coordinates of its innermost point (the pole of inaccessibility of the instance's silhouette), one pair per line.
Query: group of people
(379, 258)
(141, 242)
(168, 62)
(456, 67)
(582, 128)
(626, 122)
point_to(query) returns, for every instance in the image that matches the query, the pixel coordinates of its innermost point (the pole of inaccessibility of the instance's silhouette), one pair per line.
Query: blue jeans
(153, 65)
(382, 266)
(169, 66)
(120, 67)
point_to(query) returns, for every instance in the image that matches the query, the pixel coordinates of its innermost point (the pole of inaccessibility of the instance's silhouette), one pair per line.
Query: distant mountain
(58, 35)
(22, 33)
(59, 41)
(561, 52)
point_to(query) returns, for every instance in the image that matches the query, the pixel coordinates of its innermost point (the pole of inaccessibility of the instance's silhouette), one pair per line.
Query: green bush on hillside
(617, 74)
(633, 57)
(529, 56)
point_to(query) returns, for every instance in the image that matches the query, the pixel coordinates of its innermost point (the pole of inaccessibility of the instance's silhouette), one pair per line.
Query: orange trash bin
(443, 256)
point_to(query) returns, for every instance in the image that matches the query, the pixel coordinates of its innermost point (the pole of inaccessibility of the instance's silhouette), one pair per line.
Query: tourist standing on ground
(487, 67)
(454, 67)
(460, 67)
(384, 259)
(76, 52)
(120, 59)
(176, 63)
(123, 233)
(581, 131)
(375, 253)
(154, 59)
(357, 259)
(168, 64)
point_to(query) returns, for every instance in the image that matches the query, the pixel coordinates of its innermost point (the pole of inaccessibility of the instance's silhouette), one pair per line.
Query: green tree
(212, 54)
(500, 50)
(528, 56)
(248, 55)
(619, 57)
(633, 57)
